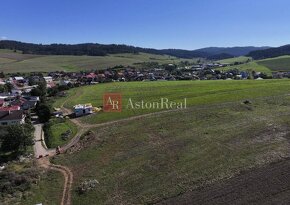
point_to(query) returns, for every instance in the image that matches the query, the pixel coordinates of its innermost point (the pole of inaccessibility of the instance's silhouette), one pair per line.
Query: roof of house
(91, 75)
(18, 78)
(85, 106)
(47, 77)
(29, 104)
(11, 115)
(19, 101)
(9, 108)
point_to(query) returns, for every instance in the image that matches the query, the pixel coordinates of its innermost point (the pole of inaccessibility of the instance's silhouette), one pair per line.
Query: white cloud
(3, 38)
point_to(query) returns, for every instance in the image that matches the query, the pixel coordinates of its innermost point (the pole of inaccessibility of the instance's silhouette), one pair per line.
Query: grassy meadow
(15, 62)
(241, 59)
(57, 128)
(48, 191)
(251, 66)
(198, 93)
(150, 159)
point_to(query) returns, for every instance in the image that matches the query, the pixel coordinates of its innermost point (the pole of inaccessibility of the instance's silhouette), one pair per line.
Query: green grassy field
(56, 129)
(48, 191)
(276, 64)
(241, 59)
(252, 66)
(197, 93)
(148, 160)
(15, 62)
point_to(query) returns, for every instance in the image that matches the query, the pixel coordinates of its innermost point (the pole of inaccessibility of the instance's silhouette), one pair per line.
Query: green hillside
(15, 62)
(251, 66)
(196, 92)
(281, 63)
(153, 158)
(269, 65)
(241, 59)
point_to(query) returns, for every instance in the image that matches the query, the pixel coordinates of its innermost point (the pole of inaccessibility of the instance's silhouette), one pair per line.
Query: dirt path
(40, 150)
(68, 178)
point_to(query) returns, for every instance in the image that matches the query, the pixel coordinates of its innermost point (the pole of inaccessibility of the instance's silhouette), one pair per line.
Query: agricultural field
(167, 156)
(11, 62)
(267, 66)
(276, 64)
(241, 59)
(198, 93)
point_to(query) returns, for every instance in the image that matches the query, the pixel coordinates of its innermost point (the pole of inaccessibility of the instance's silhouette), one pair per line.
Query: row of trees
(270, 53)
(43, 108)
(94, 49)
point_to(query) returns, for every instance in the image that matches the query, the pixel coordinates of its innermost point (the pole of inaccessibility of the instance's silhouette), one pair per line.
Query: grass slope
(155, 158)
(251, 66)
(241, 59)
(15, 62)
(276, 64)
(48, 191)
(57, 128)
(196, 92)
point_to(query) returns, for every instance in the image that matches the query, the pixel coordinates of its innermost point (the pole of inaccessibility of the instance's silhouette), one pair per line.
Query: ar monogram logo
(112, 102)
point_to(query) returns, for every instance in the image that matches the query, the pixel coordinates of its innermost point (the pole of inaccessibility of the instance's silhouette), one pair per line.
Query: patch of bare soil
(85, 140)
(18, 57)
(265, 185)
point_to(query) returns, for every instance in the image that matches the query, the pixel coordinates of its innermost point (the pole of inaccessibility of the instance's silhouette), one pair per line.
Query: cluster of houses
(201, 72)
(15, 105)
(196, 72)
(281, 74)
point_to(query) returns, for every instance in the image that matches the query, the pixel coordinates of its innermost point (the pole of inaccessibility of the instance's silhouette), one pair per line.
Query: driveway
(38, 147)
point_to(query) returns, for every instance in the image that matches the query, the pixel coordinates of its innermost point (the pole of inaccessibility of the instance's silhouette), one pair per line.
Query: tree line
(270, 53)
(93, 49)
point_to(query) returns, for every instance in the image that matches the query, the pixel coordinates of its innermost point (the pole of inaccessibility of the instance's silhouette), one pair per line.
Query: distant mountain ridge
(95, 49)
(270, 53)
(234, 51)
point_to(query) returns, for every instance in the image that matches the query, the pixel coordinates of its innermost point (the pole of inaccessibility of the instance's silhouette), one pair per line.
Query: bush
(86, 186)
(43, 112)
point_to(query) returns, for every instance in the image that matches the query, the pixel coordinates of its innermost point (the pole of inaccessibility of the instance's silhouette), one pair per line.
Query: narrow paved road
(39, 150)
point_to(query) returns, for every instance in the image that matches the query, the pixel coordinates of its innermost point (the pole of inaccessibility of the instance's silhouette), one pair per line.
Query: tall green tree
(16, 138)
(43, 112)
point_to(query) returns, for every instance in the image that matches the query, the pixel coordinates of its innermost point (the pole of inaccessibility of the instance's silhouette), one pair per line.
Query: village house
(81, 110)
(15, 117)
(48, 79)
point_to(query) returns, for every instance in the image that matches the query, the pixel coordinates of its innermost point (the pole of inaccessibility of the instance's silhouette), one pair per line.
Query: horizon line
(78, 43)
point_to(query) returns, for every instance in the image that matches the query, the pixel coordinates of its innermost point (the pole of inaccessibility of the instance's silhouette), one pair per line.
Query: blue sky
(187, 24)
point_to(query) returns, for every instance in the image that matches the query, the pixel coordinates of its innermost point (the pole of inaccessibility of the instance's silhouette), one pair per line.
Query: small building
(81, 110)
(48, 79)
(64, 82)
(2, 82)
(15, 117)
(19, 79)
